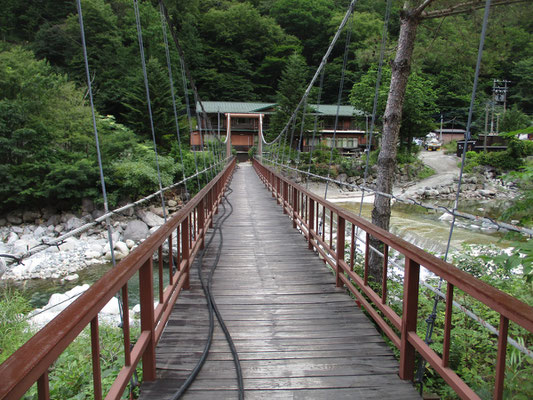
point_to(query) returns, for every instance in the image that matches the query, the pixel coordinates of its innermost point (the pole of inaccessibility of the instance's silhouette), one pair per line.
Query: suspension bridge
(253, 290)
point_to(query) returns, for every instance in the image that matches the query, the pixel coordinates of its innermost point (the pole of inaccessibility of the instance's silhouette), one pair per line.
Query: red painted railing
(305, 207)
(187, 227)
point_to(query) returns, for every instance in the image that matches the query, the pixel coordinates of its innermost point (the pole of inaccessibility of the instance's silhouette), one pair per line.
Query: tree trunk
(392, 118)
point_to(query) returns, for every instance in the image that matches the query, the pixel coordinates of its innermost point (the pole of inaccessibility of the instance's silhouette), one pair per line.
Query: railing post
(311, 221)
(500, 361)
(341, 227)
(409, 319)
(146, 289)
(284, 196)
(201, 223)
(95, 351)
(185, 251)
(43, 387)
(294, 206)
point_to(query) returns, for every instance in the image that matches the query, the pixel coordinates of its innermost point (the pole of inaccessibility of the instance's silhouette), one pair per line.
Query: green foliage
(14, 329)
(514, 119)
(291, 88)
(419, 105)
(522, 205)
(252, 152)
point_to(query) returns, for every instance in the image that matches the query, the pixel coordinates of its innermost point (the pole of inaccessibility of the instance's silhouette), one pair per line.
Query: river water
(424, 228)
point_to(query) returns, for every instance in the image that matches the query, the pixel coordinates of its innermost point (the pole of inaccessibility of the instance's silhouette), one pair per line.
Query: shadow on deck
(297, 335)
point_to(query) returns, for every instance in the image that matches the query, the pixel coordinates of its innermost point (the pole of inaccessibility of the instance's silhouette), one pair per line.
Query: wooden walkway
(298, 336)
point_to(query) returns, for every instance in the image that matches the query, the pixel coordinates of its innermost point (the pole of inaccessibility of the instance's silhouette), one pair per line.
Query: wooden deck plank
(298, 336)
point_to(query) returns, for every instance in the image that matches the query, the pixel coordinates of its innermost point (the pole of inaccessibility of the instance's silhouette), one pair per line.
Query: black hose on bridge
(213, 310)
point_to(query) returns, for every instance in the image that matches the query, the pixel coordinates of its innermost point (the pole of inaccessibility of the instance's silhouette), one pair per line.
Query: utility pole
(441, 121)
(486, 126)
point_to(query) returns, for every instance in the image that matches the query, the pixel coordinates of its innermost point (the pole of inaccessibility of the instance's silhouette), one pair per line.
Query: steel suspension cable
(319, 69)
(173, 94)
(376, 98)
(339, 99)
(315, 126)
(101, 171)
(433, 315)
(148, 101)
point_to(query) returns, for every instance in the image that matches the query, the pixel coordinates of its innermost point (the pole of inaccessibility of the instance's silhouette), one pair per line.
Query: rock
(487, 192)
(66, 216)
(17, 229)
(53, 220)
(130, 243)
(73, 223)
(150, 219)
(20, 247)
(158, 211)
(342, 177)
(122, 247)
(70, 244)
(153, 229)
(172, 203)
(2, 266)
(13, 219)
(97, 213)
(30, 216)
(136, 230)
(87, 205)
(48, 212)
(39, 232)
(12, 238)
(70, 278)
(446, 217)
(3, 222)
(91, 254)
(59, 228)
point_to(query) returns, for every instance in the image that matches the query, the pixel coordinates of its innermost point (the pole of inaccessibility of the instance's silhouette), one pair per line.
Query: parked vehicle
(432, 145)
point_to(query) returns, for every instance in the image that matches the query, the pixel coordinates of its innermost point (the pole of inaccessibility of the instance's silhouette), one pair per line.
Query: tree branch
(465, 7)
(417, 11)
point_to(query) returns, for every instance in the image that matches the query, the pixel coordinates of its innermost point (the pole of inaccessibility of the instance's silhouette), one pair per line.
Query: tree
(514, 119)
(291, 89)
(419, 105)
(410, 17)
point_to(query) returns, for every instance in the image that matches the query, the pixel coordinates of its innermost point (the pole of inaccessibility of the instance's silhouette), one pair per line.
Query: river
(412, 223)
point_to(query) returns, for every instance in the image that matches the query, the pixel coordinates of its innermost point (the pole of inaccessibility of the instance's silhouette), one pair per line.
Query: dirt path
(445, 167)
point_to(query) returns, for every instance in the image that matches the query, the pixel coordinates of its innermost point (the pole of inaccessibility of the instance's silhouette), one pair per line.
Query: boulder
(12, 238)
(157, 211)
(30, 216)
(53, 220)
(66, 216)
(70, 244)
(97, 213)
(136, 230)
(39, 232)
(172, 203)
(2, 266)
(59, 228)
(150, 219)
(14, 219)
(342, 177)
(73, 223)
(3, 222)
(130, 243)
(87, 205)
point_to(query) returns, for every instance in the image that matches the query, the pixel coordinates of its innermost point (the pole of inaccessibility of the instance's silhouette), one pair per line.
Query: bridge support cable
(213, 308)
(370, 133)
(339, 99)
(173, 94)
(315, 125)
(319, 69)
(125, 329)
(149, 103)
(433, 315)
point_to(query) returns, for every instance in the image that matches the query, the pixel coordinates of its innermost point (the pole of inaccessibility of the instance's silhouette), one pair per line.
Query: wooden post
(294, 206)
(341, 226)
(228, 135)
(260, 141)
(146, 289)
(185, 251)
(311, 221)
(43, 387)
(409, 316)
(201, 223)
(95, 351)
(500, 360)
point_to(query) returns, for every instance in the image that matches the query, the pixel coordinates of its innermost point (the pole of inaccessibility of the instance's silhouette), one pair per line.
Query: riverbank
(91, 247)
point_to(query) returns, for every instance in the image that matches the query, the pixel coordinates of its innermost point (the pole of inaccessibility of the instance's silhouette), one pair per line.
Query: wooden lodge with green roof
(247, 120)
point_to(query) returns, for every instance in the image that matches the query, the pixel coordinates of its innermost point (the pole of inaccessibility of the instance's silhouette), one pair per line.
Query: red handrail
(30, 363)
(304, 208)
